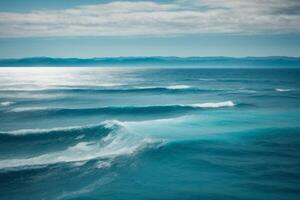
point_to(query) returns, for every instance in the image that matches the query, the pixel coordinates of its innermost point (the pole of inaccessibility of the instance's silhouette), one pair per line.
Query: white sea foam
(178, 87)
(146, 87)
(283, 90)
(45, 131)
(34, 131)
(24, 109)
(103, 164)
(80, 163)
(6, 103)
(112, 123)
(212, 105)
(79, 137)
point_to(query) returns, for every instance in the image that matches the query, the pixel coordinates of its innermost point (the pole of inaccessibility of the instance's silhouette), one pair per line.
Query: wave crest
(283, 90)
(63, 130)
(178, 87)
(213, 105)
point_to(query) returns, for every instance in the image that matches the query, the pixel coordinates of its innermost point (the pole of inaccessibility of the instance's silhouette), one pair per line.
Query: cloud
(146, 18)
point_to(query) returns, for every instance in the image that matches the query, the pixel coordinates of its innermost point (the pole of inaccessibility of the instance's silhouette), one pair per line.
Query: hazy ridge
(276, 61)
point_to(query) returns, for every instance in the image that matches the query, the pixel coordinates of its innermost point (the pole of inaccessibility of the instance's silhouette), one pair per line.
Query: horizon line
(154, 56)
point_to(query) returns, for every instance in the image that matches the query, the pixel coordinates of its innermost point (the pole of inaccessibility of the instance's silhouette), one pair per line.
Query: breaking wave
(118, 142)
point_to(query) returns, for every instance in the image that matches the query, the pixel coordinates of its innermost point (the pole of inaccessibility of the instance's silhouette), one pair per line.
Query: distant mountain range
(157, 61)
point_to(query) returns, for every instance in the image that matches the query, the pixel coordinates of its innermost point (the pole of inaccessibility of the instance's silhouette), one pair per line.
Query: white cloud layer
(146, 18)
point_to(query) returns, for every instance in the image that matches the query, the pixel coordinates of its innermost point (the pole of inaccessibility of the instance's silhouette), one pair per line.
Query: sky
(104, 28)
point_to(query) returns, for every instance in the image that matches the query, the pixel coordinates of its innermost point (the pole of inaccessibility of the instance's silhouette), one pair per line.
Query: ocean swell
(109, 90)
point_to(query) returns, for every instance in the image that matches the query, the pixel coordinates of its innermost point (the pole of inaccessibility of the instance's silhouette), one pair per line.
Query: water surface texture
(132, 134)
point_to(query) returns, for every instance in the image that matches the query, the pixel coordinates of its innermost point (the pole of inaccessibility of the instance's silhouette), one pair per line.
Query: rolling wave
(34, 142)
(118, 142)
(119, 110)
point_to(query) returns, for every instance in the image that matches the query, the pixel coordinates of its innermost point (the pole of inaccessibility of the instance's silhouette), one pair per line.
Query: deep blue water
(130, 133)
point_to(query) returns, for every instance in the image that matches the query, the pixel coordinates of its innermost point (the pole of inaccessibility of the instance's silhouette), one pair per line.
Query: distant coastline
(268, 62)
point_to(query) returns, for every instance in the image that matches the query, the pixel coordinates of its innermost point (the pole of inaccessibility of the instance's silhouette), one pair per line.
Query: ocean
(146, 133)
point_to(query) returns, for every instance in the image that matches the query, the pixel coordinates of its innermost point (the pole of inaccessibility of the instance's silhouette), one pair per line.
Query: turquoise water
(132, 133)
